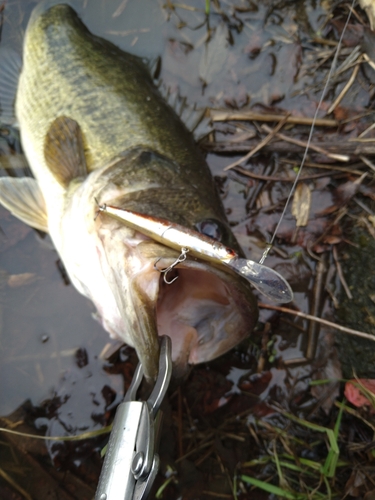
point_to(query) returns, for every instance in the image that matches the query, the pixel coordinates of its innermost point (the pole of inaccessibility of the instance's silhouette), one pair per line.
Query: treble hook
(166, 270)
(101, 208)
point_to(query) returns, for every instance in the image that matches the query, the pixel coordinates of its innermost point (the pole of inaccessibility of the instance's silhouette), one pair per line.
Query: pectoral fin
(64, 151)
(23, 198)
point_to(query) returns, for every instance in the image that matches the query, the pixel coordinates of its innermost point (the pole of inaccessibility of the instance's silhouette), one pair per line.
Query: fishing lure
(267, 281)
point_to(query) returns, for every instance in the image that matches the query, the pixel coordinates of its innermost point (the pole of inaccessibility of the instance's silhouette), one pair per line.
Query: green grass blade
(271, 488)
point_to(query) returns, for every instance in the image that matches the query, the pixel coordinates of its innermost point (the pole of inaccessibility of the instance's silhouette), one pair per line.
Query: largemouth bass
(94, 127)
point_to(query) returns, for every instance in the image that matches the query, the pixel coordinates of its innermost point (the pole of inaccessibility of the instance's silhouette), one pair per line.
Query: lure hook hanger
(101, 208)
(166, 270)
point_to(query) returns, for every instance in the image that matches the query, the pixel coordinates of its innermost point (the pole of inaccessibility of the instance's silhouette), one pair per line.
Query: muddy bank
(357, 355)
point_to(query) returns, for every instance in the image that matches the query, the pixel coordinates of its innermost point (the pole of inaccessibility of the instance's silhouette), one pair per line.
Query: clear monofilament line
(333, 66)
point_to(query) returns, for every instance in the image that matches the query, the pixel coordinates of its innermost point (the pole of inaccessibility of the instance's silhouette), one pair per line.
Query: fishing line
(333, 67)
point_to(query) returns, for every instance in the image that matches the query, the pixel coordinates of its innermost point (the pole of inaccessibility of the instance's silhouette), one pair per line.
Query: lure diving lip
(267, 281)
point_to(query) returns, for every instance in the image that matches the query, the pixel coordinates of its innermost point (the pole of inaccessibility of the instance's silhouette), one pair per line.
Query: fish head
(205, 311)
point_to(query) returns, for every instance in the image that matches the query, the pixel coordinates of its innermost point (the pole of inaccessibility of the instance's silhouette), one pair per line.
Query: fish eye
(212, 228)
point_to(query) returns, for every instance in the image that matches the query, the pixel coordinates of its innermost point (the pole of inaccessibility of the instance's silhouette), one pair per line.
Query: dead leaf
(326, 366)
(179, 49)
(214, 56)
(332, 240)
(368, 191)
(346, 191)
(16, 280)
(301, 204)
(354, 483)
(369, 7)
(367, 45)
(353, 32)
(340, 113)
(354, 394)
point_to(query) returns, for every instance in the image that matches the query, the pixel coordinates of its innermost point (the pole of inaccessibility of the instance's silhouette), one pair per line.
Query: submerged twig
(347, 86)
(323, 166)
(274, 178)
(179, 423)
(120, 9)
(303, 144)
(325, 322)
(223, 116)
(313, 331)
(262, 143)
(341, 274)
(354, 147)
(79, 437)
(367, 162)
(16, 486)
(366, 131)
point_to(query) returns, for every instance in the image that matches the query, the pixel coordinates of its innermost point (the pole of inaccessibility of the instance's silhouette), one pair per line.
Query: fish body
(94, 127)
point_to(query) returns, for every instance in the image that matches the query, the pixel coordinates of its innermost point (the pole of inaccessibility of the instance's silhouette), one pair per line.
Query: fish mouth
(204, 314)
(205, 311)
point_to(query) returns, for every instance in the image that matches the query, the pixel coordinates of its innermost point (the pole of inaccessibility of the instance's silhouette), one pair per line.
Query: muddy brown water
(247, 54)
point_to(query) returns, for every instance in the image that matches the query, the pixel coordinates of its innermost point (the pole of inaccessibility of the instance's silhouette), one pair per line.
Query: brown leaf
(179, 49)
(356, 480)
(301, 204)
(353, 32)
(214, 56)
(355, 395)
(340, 113)
(347, 190)
(369, 7)
(332, 240)
(368, 191)
(16, 280)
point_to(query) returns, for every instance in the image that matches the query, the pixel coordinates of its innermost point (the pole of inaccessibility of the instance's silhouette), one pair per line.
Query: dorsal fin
(24, 199)
(64, 152)
(10, 68)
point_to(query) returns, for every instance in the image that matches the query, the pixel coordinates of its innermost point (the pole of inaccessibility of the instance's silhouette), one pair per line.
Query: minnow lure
(267, 281)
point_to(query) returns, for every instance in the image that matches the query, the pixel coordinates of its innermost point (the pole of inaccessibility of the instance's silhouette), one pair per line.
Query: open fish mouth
(204, 312)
